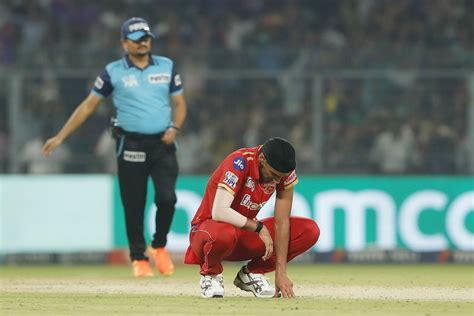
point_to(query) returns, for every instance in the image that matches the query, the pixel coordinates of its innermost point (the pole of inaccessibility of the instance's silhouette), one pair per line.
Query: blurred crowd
(244, 33)
(250, 70)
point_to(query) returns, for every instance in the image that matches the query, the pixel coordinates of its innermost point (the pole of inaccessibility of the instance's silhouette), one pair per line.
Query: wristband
(259, 227)
(175, 128)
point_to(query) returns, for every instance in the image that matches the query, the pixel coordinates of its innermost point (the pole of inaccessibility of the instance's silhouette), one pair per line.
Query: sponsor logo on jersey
(250, 184)
(177, 80)
(230, 179)
(99, 83)
(239, 163)
(130, 81)
(134, 156)
(291, 177)
(247, 202)
(159, 78)
(268, 188)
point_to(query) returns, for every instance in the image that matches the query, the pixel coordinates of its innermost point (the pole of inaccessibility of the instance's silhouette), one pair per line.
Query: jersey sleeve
(103, 85)
(234, 171)
(176, 86)
(288, 181)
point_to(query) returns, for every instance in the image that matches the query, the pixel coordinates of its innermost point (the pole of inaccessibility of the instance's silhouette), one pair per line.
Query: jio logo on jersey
(239, 163)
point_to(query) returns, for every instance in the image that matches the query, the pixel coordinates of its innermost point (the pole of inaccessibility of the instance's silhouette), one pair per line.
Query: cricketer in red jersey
(225, 227)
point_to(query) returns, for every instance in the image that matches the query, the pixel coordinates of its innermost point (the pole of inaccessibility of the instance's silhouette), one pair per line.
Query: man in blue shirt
(141, 86)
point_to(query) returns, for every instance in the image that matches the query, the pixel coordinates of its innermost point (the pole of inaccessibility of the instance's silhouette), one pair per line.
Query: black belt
(136, 135)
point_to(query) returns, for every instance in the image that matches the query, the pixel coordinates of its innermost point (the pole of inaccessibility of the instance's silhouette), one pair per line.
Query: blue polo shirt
(141, 96)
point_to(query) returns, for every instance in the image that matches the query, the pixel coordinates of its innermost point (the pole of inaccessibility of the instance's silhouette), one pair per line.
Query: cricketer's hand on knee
(264, 235)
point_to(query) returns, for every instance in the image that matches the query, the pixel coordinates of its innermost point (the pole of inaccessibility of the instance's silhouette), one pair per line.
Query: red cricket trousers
(212, 242)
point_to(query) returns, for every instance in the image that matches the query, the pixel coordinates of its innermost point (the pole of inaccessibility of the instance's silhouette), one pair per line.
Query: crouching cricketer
(225, 227)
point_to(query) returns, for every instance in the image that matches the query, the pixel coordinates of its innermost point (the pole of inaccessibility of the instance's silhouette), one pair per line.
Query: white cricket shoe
(253, 282)
(212, 286)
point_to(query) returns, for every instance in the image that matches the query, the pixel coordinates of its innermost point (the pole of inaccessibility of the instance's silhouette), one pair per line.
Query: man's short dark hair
(279, 154)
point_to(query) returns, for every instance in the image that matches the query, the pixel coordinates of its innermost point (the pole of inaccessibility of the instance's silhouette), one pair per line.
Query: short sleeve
(176, 85)
(234, 170)
(288, 181)
(103, 85)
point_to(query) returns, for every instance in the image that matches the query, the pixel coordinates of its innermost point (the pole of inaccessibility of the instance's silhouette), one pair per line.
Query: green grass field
(321, 289)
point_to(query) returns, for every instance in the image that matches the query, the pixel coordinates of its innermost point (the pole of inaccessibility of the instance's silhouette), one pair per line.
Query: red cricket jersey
(239, 175)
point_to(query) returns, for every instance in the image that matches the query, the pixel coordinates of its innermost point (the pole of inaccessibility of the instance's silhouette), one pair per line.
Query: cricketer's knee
(311, 232)
(304, 236)
(224, 242)
(165, 199)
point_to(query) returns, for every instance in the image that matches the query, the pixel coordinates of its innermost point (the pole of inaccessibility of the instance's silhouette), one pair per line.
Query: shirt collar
(130, 64)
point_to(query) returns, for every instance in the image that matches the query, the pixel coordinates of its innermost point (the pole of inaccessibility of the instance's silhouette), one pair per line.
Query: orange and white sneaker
(141, 268)
(162, 260)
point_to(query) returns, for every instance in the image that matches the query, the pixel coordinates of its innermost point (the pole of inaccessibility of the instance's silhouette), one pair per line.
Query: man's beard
(142, 53)
(263, 179)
